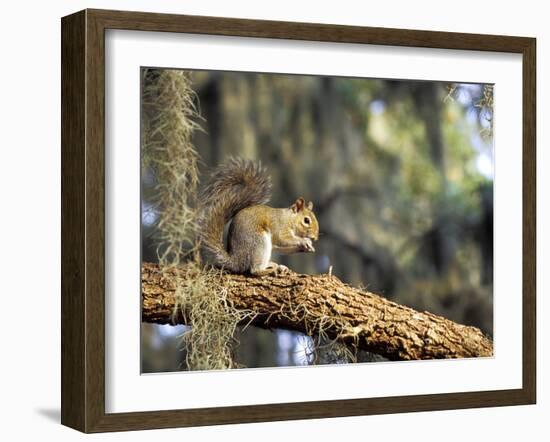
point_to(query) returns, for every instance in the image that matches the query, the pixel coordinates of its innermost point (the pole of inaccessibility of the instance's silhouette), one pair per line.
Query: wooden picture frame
(83, 220)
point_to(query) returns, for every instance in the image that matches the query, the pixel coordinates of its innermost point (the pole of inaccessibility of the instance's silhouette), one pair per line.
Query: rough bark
(307, 303)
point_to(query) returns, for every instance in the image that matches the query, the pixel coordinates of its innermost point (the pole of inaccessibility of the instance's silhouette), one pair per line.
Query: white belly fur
(266, 259)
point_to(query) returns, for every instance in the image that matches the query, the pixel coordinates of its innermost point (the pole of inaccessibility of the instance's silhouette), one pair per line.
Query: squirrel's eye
(307, 220)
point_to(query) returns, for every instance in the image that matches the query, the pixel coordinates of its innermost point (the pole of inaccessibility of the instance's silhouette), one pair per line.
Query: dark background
(401, 177)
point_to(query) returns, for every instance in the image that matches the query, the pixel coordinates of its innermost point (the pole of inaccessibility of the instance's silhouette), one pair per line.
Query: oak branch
(307, 302)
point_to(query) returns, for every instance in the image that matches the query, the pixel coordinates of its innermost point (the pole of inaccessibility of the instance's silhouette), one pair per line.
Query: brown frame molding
(83, 215)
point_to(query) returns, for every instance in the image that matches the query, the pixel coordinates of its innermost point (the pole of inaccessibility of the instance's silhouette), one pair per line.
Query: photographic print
(254, 209)
(300, 220)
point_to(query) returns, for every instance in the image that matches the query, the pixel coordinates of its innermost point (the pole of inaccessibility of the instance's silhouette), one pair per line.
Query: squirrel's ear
(310, 205)
(298, 205)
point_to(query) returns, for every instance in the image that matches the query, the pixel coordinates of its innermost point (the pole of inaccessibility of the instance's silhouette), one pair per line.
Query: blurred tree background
(401, 176)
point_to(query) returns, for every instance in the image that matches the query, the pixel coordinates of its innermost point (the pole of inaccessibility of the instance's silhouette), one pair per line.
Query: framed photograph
(268, 220)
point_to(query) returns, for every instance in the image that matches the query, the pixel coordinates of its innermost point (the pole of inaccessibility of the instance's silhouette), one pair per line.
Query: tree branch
(307, 303)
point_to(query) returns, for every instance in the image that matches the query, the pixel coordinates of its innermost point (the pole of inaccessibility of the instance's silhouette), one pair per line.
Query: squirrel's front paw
(307, 246)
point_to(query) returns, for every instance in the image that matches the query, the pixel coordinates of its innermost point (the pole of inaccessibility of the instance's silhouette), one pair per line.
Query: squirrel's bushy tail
(234, 185)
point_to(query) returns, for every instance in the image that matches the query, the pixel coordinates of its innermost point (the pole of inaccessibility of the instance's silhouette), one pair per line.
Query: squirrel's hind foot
(272, 269)
(282, 269)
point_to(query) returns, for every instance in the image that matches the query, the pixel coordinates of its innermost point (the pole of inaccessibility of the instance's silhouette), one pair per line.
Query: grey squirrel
(238, 191)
